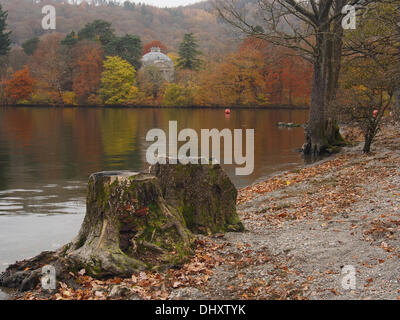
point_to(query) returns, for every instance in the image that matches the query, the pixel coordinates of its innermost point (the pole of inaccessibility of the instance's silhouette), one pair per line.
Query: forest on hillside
(148, 22)
(94, 58)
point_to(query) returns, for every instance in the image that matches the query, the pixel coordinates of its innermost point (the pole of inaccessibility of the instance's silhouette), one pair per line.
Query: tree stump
(203, 194)
(128, 227)
(136, 221)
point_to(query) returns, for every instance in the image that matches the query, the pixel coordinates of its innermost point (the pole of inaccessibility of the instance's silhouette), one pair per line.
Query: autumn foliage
(85, 72)
(288, 76)
(20, 86)
(88, 69)
(147, 47)
(257, 74)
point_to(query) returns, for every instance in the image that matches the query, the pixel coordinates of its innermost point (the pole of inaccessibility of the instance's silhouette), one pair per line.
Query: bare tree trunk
(367, 144)
(322, 131)
(314, 130)
(396, 105)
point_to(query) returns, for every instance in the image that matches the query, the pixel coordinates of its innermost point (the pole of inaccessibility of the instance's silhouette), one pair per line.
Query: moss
(211, 218)
(65, 249)
(188, 215)
(234, 224)
(212, 173)
(81, 241)
(94, 267)
(127, 263)
(331, 149)
(102, 193)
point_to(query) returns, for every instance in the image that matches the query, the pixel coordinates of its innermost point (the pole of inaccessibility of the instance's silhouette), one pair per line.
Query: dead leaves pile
(144, 285)
(286, 179)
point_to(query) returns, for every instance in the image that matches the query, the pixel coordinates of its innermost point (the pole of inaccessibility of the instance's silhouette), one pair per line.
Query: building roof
(155, 55)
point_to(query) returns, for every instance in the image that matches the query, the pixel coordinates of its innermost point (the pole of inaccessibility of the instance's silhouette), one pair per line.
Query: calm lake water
(47, 155)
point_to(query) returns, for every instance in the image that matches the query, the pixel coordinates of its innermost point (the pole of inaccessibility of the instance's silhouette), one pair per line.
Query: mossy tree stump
(136, 221)
(203, 194)
(128, 227)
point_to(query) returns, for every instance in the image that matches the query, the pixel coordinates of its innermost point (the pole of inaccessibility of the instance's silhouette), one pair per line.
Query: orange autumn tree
(49, 66)
(238, 80)
(147, 47)
(20, 86)
(87, 71)
(257, 74)
(289, 80)
(287, 76)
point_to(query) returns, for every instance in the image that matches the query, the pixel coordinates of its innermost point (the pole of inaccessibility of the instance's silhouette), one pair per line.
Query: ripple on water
(44, 197)
(7, 203)
(73, 187)
(20, 190)
(51, 185)
(7, 207)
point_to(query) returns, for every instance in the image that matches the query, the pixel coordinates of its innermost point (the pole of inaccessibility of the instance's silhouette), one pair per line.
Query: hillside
(148, 22)
(212, 69)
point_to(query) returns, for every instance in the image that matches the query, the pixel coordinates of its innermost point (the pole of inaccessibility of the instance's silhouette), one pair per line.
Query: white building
(160, 60)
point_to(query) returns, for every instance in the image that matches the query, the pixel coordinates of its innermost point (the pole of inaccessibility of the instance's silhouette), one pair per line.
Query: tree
(177, 95)
(117, 81)
(30, 46)
(49, 66)
(365, 95)
(129, 5)
(17, 59)
(87, 70)
(238, 80)
(369, 78)
(188, 53)
(97, 30)
(154, 44)
(20, 86)
(390, 17)
(70, 39)
(313, 29)
(378, 37)
(4, 35)
(69, 98)
(150, 80)
(128, 47)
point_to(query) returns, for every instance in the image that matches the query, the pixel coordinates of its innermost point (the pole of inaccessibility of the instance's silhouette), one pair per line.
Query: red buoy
(227, 111)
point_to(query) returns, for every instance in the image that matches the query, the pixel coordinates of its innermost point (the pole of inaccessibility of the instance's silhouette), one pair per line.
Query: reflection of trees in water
(119, 132)
(44, 144)
(4, 167)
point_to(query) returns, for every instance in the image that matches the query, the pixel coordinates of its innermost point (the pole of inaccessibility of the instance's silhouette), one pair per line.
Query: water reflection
(54, 145)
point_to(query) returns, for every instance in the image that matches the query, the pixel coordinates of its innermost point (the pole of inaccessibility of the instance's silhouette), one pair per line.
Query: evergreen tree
(188, 53)
(128, 47)
(4, 36)
(70, 40)
(30, 46)
(97, 30)
(129, 5)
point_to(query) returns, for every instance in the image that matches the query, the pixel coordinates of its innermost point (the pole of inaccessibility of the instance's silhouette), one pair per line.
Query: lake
(47, 155)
